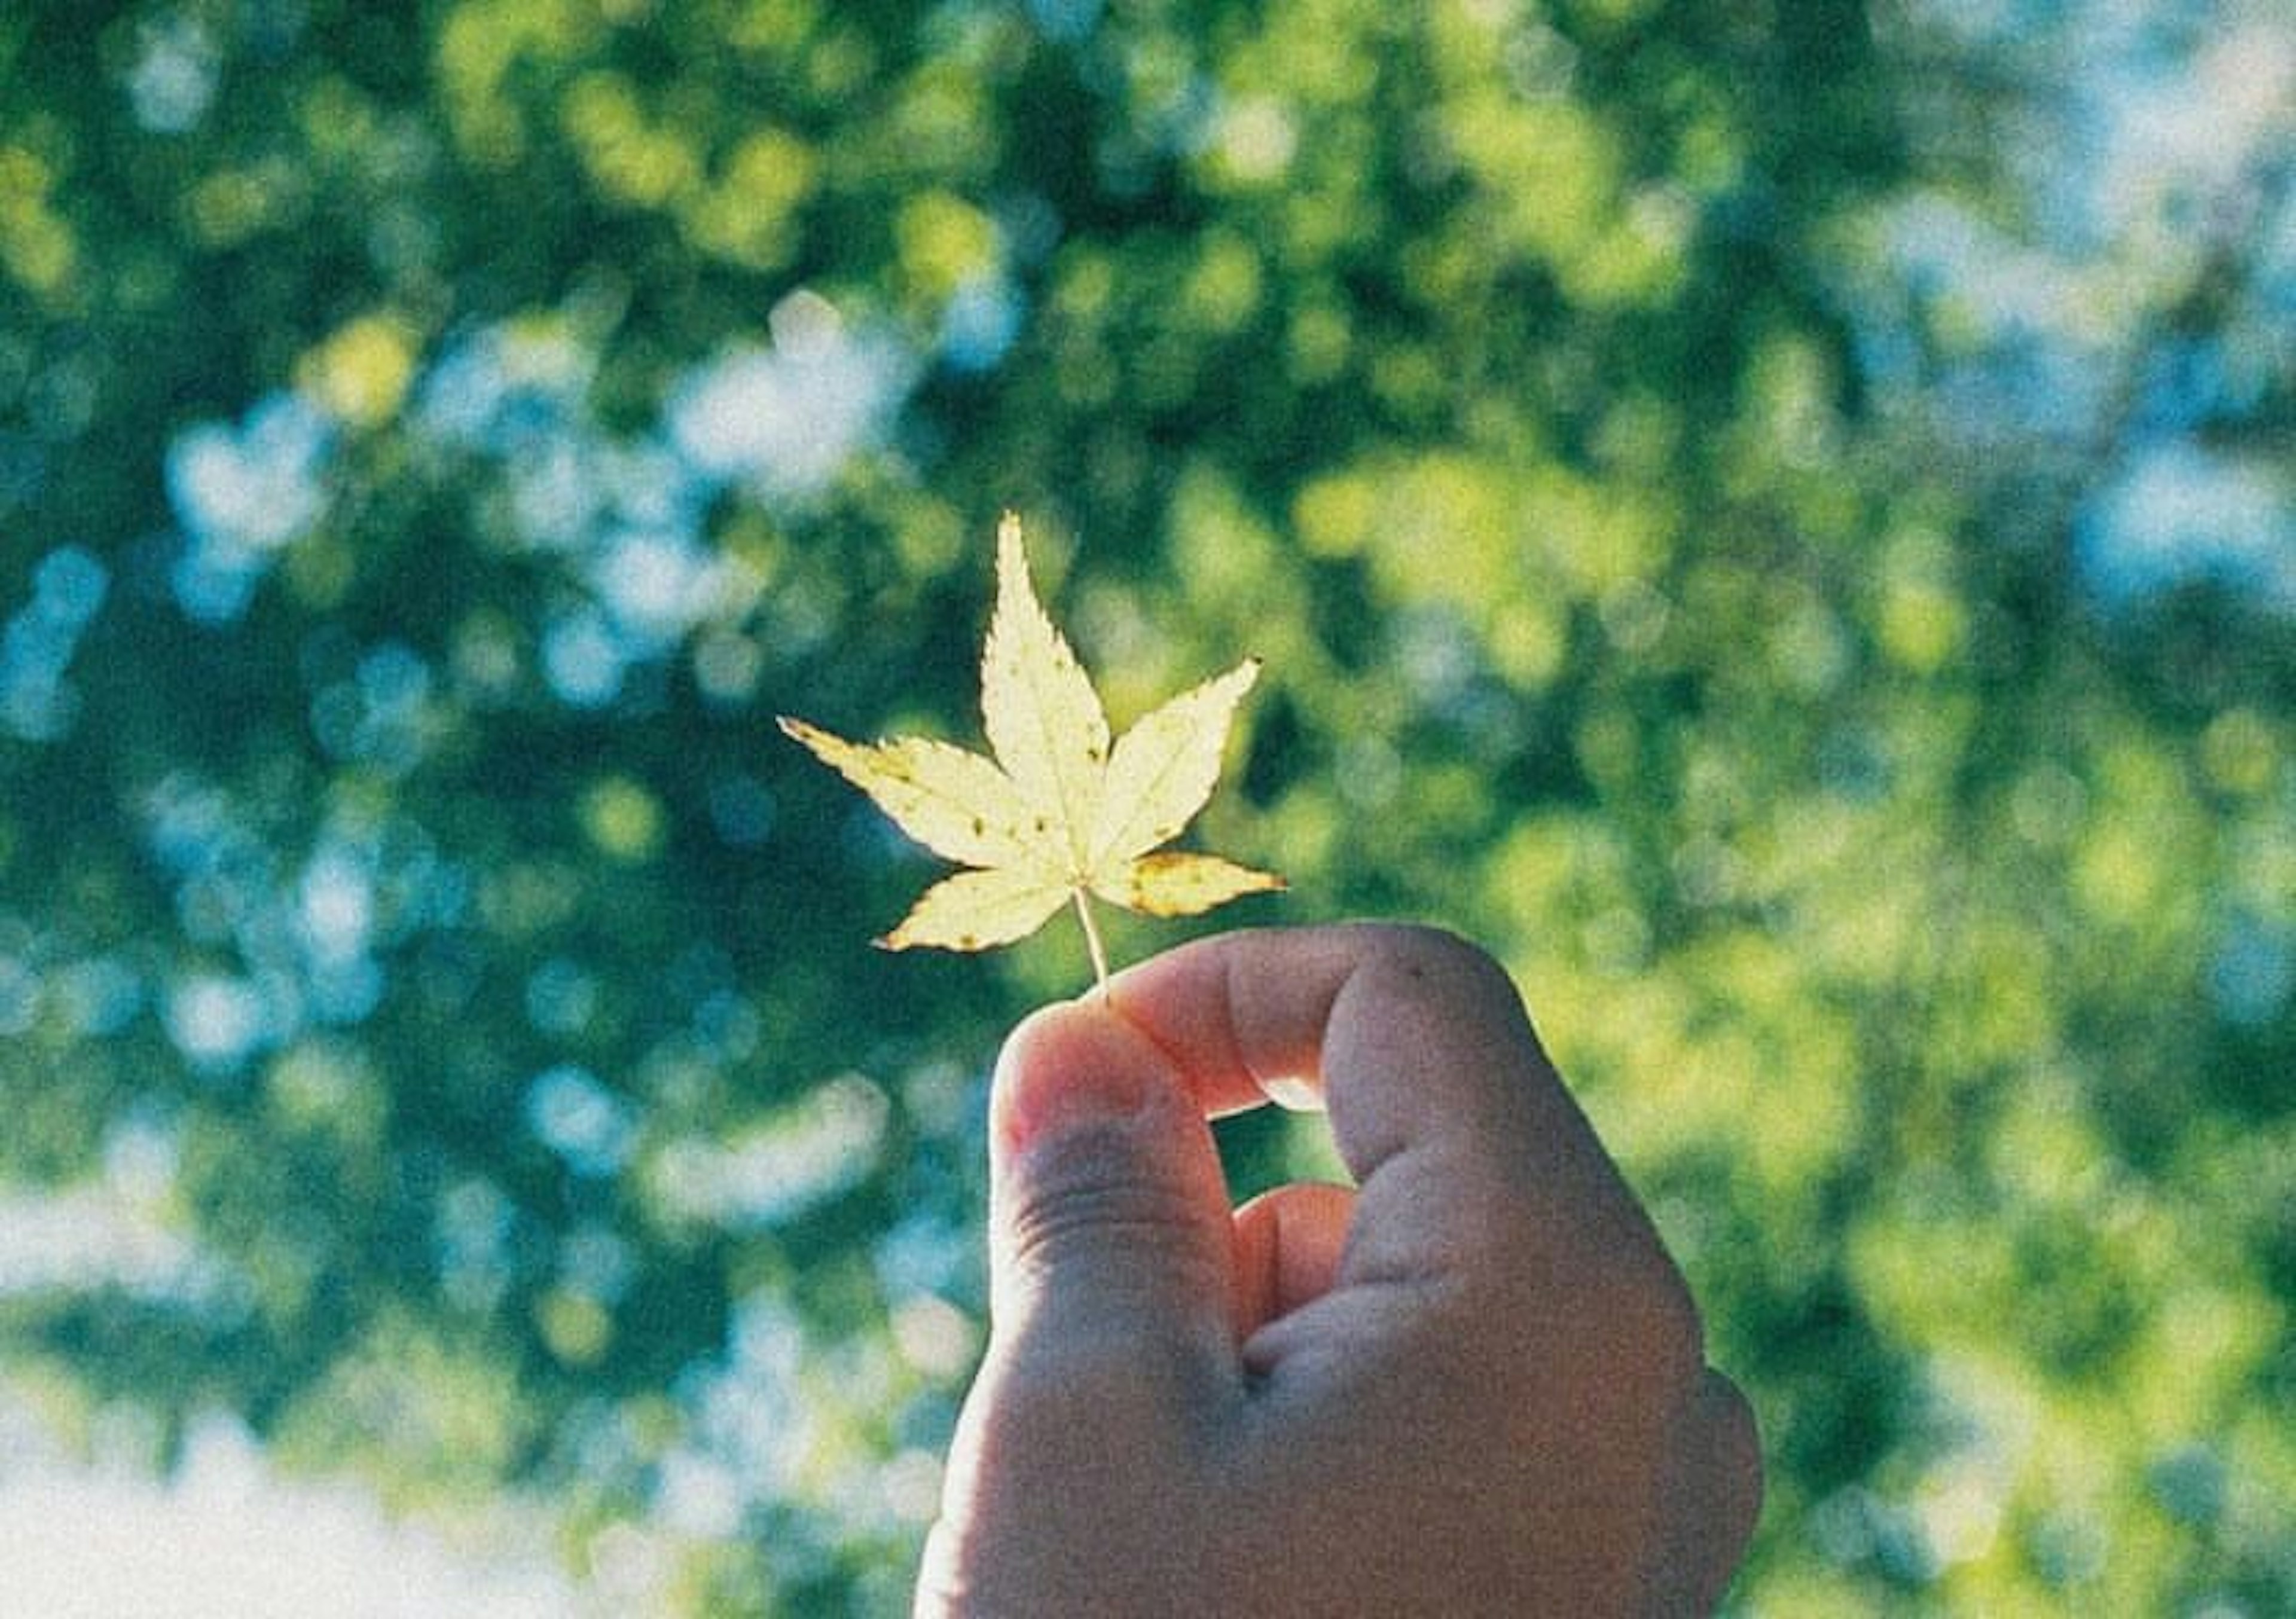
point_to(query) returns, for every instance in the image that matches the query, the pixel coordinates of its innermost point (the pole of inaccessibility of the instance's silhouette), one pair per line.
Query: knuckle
(1656, 1308)
(1062, 1225)
(1737, 1436)
(1422, 945)
(1674, 1324)
(1085, 1208)
(1637, 1310)
(1443, 962)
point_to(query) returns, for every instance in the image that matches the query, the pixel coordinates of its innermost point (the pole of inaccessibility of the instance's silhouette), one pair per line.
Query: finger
(1714, 1499)
(1109, 1224)
(1442, 1104)
(1287, 1250)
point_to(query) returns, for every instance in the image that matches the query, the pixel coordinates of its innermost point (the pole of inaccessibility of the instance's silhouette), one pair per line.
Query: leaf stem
(1092, 939)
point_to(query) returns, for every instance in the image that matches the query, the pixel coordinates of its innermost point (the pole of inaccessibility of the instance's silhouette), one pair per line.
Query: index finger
(1417, 1041)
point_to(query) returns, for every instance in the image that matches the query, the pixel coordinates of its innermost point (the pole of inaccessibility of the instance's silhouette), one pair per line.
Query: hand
(1473, 1385)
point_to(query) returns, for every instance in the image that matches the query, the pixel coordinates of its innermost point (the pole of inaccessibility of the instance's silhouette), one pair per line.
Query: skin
(1474, 1383)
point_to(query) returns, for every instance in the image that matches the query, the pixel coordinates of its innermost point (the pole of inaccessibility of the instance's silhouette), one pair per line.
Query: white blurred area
(228, 1537)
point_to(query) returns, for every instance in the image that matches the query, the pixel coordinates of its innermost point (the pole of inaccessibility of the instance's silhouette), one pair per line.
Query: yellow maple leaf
(1059, 813)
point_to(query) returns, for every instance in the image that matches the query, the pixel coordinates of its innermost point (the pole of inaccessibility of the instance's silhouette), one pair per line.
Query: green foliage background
(1693, 471)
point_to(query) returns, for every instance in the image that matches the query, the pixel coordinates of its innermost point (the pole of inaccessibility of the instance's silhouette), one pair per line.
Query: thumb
(1108, 1229)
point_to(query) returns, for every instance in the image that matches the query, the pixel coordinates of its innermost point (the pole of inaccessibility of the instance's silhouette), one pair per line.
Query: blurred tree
(1776, 517)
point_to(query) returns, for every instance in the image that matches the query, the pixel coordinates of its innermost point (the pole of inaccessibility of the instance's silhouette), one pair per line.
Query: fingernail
(1069, 1068)
(1293, 1094)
